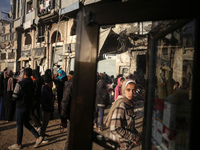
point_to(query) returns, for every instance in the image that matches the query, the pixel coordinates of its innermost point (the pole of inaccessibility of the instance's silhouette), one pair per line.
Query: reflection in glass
(171, 113)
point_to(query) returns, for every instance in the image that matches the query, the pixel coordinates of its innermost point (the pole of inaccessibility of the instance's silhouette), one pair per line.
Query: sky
(5, 6)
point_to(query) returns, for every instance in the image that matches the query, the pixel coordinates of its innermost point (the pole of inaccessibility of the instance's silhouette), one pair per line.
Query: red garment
(33, 78)
(118, 90)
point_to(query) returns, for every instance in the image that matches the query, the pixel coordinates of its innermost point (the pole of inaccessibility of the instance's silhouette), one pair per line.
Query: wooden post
(84, 85)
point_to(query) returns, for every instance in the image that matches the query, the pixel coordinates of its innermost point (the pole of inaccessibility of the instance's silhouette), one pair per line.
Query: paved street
(8, 133)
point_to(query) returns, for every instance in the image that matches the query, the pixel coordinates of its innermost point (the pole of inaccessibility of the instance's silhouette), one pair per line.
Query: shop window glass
(172, 100)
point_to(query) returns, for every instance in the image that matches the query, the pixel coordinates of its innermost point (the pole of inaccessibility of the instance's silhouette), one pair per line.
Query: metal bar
(137, 10)
(146, 94)
(152, 83)
(177, 25)
(84, 85)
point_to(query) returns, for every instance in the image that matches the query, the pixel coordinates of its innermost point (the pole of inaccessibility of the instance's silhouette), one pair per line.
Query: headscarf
(118, 88)
(36, 74)
(121, 99)
(62, 73)
(9, 74)
(47, 75)
(118, 82)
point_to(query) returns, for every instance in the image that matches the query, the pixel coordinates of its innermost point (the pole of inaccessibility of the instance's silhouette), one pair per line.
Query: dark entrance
(141, 64)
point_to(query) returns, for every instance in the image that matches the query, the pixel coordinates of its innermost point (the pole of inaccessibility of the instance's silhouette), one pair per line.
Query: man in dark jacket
(1, 92)
(47, 106)
(102, 101)
(66, 105)
(2, 109)
(23, 94)
(37, 98)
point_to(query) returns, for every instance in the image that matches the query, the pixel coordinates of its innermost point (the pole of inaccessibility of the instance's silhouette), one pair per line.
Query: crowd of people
(26, 93)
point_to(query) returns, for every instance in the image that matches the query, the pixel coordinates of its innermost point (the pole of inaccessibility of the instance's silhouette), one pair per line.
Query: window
(3, 56)
(41, 35)
(53, 37)
(28, 39)
(11, 55)
(29, 7)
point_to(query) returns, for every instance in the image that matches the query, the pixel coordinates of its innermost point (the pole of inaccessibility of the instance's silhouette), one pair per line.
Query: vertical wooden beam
(84, 85)
(146, 93)
(194, 132)
(152, 83)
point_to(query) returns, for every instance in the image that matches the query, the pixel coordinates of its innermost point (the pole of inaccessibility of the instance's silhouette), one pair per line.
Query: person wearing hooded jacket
(47, 74)
(47, 106)
(66, 106)
(9, 85)
(23, 94)
(2, 109)
(60, 82)
(102, 101)
(121, 118)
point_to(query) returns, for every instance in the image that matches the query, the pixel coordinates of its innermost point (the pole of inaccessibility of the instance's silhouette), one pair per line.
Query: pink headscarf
(118, 90)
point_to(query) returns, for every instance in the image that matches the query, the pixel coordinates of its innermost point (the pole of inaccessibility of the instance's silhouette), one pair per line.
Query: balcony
(29, 19)
(30, 16)
(45, 7)
(48, 11)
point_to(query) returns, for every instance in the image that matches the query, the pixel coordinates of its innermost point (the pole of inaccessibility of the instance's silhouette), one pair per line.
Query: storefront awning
(24, 58)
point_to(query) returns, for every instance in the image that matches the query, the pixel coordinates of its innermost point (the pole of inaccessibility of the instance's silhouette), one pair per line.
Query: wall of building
(7, 52)
(127, 62)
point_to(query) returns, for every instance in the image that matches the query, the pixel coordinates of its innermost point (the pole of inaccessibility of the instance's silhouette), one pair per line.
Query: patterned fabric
(122, 126)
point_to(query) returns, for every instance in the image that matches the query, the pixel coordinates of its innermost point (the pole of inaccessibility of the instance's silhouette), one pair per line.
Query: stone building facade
(129, 43)
(44, 36)
(7, 50)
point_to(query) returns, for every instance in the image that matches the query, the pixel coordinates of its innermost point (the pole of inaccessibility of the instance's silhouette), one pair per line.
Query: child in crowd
(47, 106)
